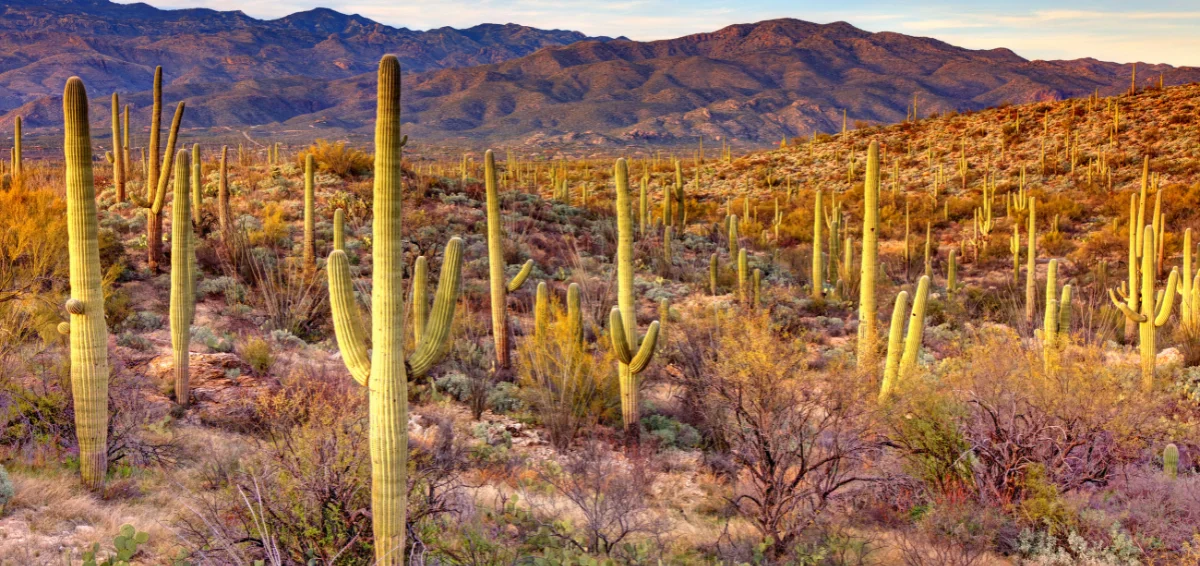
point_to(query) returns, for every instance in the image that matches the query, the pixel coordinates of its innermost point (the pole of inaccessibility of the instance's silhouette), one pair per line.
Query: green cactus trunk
(1155, 310)
(712, 274)
(952, 273)
(1031, 265)
(867, 327)
(223, 214)
(118, 154)
(742, 275)
(89, 335)
(310, 248)
(339, 229)
(575, 314)
(197, 172)
(385, 373)
(18, 162)
(733, 235)
(1171, 461)
(899, 366)
(541, 314)
(499, 290)
(818, 267)
(182, 294)
(623, 319)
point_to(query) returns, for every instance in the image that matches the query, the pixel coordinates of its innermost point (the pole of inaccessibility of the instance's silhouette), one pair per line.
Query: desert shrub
(204, 335)
(565, 386)
(337, 158)
(258, 354)
(274, 230)
(951, 535)
(671, 433)
(6, 489)
(797, 436)
(293, 298)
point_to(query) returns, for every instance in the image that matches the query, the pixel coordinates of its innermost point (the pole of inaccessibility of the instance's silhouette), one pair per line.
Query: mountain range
(314, 70)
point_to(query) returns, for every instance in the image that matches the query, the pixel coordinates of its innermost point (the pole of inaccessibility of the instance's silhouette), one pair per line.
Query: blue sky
(1154, 31)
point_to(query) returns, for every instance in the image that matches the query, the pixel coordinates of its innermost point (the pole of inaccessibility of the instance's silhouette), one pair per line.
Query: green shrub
(258, 354)
(6, 489)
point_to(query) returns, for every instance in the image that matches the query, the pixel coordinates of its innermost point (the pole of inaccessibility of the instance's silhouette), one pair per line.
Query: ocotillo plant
(88, 333)
(1057, 321)
(867, 307)
(1171, 461)
(183, 294)
(1153, 313)
(385, 371)
(310, 247)
(633, 355)
(118, 154)
(898, 367)
(499, 289)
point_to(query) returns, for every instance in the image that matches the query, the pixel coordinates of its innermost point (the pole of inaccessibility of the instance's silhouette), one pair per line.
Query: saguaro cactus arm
(1167, 300)
(519, 279)
(621, 344)
(436, 335)
(347, 324)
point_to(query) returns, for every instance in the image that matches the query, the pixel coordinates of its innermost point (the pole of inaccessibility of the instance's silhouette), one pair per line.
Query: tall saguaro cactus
(1031, 265)
(310, 248)
(118, 153)
(183, 294)
(1155, 309)
(197, 172)
(89, 335)
(156, 184)
(633, 355)
(1057, 321)
(867, 331)
(385, 372)
(499, 289)
(223, 195)
(818, 267)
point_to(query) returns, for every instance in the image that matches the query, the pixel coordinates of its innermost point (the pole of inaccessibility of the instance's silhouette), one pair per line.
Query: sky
(1151, 31)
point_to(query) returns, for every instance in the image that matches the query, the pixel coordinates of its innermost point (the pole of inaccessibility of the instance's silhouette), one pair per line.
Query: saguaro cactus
(899, 366)
(499, 289)
(118, 154)
(575, 314)
(712, 274)
(541, 313)
(1031, 265)
(183, 294)
(733, 235)
(867, 332)
(386, 372)
(1057, 322)
(339, 230)
(223, 195)
(310, 247)
(197, 172)
(18, 168)
(952, 273)
(1189, 288)
(743, 272)
(1154, 312)
(1171, 461)
(89, 335)
(633, 355)
(157, 190)
(818, 267)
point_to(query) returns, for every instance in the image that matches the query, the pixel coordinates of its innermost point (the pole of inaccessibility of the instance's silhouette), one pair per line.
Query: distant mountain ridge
(116, 46)
(314, 70)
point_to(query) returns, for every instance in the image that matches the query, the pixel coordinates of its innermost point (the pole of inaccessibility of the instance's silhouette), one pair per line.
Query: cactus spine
(1152, 315)
(898, 367)
(623, 319)
(867, 307)
(310, 248)
(89, 335)
(118, 154)
(1171, 461)
(499, 289)
(182, 278)
(385, 373)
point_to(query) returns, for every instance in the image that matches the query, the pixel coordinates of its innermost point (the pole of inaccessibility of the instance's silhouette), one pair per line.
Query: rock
(1169, 357)
(223, 389)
